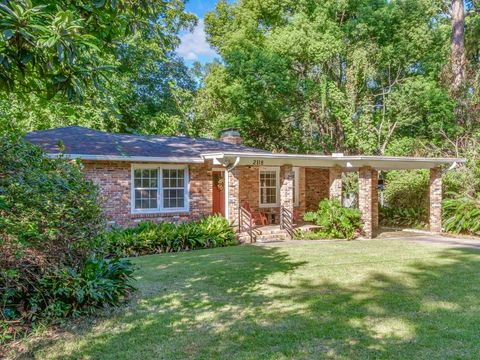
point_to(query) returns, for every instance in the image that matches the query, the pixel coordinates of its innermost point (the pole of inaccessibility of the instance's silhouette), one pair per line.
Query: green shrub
(216, 231)
(335, 221)
(151, 238)
(49, 213)
(406, 189)
(50, 219)
(300, 234)
(462, 215)
(69, 291)
(405, 217)
(406, 195)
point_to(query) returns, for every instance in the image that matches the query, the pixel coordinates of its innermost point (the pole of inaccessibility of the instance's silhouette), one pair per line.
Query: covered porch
(284, 186)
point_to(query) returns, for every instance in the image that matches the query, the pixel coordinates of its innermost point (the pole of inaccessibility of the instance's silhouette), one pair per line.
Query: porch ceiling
(348, 163)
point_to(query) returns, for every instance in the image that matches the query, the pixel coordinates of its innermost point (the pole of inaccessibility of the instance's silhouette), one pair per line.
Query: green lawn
(340, 300)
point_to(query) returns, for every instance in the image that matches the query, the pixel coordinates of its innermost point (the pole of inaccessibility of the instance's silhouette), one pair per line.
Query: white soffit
(348, 162)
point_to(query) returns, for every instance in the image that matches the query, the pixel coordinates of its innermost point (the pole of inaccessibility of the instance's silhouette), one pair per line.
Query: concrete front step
(265, 234)
(272, 237)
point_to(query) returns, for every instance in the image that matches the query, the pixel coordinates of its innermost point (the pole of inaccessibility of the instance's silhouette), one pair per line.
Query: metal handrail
(245, 222)
(286, 220)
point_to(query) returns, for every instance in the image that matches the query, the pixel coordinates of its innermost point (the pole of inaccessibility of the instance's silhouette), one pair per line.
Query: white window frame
(296, 185)
(160, 209)
(276, 169)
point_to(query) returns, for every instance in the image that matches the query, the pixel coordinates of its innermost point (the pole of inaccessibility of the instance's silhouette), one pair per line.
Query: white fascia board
(380, 162)
(169, 159)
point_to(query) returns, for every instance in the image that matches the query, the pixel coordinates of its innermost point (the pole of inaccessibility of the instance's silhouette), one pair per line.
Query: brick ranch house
(179, 178)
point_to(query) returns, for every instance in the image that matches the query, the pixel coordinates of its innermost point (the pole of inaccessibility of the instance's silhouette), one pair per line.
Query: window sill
(266, 207)
(159, 213)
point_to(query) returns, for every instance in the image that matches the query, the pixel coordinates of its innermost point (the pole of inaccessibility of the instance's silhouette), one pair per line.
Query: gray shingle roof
(83, 141)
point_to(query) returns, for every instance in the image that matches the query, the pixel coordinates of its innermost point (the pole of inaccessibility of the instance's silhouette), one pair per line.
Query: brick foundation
(368, 200)
(435, 196)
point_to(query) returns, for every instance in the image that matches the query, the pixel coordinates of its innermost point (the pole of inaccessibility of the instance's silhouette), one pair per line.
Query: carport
(244, 170)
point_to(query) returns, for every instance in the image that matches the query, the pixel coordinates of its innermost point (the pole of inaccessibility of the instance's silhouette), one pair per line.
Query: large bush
(407, 199)
(335, 221)
(151, 238)
(406, 189)
(462, 215)
(49, 221)
(48, 210)
(405, 217)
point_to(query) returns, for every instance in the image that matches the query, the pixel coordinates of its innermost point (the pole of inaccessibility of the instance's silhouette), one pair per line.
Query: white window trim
(277, 175)
(160, 209)
(296, 186)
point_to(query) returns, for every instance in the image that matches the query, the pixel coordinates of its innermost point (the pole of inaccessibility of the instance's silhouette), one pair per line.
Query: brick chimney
(231, 136)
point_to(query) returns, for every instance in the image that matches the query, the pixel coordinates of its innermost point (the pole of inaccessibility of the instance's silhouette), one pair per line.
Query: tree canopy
(61, 46)
(355, 76)
(358, 76)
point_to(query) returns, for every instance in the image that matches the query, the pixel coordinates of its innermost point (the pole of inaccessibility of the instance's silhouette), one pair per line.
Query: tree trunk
(458, 44)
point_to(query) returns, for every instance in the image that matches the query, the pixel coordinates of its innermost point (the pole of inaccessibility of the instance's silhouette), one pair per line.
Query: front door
(218, 192)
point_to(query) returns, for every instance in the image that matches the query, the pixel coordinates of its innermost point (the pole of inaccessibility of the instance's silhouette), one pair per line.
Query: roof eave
(163, 159)
(349, 162)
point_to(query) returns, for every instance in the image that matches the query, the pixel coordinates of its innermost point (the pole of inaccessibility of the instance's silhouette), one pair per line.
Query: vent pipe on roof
(231, 136)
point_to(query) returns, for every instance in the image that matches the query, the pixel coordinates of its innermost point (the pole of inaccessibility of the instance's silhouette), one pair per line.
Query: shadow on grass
(174, 290)
(233, 303)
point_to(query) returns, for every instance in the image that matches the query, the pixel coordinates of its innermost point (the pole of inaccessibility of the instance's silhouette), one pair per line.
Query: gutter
(164, 159)
(330, 157)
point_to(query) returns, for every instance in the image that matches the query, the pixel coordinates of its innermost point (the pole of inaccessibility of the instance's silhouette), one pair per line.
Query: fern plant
(335, 221)
(462, 215)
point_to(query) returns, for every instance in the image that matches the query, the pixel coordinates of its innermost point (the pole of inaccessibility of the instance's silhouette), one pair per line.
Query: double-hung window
(269, 187)
(173, 188)
(159, 189)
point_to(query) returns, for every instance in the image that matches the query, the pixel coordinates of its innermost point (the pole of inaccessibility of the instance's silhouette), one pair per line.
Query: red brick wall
(435, 196)
(114, 178)
(368, 200)
(317, 182)
(249, 190)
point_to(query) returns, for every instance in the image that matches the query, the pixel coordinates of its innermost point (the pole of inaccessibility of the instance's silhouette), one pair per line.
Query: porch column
(435, 197)
(286, 193)
(233, 197)
(368, 200)
(335, 177)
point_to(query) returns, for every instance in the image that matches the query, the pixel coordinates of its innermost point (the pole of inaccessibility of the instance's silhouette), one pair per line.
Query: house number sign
(257, 162)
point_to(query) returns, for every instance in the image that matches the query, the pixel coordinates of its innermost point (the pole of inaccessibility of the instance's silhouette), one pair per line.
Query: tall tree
(63, 46)
(330, 75)
(145, 91)
(458, 58)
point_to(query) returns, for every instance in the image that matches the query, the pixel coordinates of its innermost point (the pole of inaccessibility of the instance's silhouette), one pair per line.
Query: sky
(194, 46)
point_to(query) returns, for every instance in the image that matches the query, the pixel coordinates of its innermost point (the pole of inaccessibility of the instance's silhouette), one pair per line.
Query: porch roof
(231, 159)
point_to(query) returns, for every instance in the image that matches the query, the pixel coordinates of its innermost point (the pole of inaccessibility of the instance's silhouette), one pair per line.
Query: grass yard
(377, 299)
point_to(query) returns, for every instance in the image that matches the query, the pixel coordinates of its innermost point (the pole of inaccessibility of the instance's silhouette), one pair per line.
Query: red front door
(218, 192)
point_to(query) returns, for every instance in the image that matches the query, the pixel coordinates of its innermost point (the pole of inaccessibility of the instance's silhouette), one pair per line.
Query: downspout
(453, 166)
(230, 167)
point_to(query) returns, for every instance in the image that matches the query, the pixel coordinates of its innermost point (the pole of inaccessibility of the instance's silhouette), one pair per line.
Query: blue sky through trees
(194, 46)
